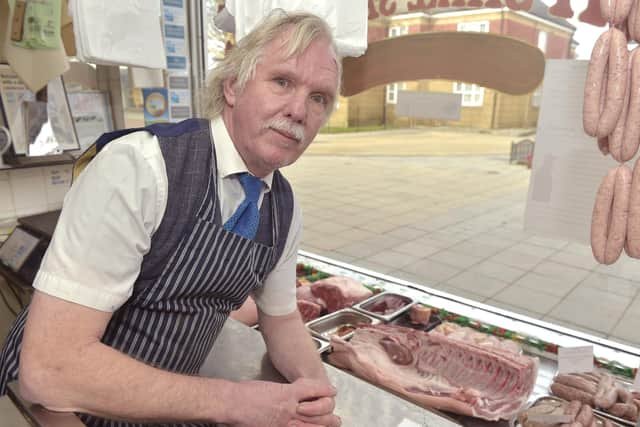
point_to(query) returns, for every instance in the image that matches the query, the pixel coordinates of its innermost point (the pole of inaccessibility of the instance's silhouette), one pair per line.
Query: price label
(575, 359)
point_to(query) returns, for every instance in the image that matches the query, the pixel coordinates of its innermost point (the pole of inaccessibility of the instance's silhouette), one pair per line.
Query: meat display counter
(536, 337)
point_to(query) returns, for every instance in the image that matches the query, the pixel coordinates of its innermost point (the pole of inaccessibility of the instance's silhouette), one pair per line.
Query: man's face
(277, 115)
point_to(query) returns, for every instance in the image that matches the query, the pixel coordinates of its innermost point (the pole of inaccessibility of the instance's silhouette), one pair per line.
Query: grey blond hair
(241, 61)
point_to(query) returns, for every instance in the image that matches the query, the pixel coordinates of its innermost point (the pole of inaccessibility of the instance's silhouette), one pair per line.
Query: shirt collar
(228, 160)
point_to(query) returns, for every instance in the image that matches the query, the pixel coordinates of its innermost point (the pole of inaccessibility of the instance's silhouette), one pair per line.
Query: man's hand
(304, 403)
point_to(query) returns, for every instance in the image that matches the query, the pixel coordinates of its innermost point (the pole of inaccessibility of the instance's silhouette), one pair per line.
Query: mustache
(286, 126)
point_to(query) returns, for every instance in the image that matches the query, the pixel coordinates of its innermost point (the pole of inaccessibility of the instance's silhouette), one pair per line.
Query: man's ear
(229, 87)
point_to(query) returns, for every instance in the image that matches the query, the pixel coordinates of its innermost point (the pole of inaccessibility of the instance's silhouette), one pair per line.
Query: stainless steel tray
(326, 326)
(367, 305)
(514, 422)
(321, 345)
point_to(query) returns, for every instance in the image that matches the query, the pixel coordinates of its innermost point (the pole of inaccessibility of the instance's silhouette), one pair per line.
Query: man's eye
(282, 82)
(319, 99)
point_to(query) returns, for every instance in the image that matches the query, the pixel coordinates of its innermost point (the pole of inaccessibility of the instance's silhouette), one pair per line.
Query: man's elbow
(38, 381)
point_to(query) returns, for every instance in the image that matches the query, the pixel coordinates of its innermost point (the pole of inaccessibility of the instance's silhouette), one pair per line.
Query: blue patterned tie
(246, 218)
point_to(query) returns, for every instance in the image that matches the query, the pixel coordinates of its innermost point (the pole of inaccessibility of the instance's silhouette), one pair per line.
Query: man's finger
(299, 423)
(318, 407)
(312, 389)
(325, 421)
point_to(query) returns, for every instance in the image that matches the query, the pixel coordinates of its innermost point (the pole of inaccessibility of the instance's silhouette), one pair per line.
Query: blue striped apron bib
(172, 320)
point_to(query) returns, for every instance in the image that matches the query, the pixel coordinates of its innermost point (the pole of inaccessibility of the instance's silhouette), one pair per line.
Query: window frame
(401, 30)
(469, 90)
(543, 41)
(469, 26)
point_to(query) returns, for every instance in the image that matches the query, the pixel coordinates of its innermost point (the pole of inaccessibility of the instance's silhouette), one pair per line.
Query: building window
(392, 92)
(398, 30)
(542, 41)
(472, 94)
(474, 26)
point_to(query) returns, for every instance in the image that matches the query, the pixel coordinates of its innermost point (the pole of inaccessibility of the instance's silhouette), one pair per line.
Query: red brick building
(481, 107)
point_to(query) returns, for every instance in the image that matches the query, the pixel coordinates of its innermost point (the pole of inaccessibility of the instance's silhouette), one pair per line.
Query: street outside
(443, 207)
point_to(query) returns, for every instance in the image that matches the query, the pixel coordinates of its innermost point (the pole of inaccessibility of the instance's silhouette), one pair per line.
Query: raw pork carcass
(339, 292)
(439, 371)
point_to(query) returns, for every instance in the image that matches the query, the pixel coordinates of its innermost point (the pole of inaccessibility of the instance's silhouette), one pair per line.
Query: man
(160, 239)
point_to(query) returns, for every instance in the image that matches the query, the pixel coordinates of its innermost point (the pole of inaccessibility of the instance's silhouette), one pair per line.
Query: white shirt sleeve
(278, 294)
(105, 228)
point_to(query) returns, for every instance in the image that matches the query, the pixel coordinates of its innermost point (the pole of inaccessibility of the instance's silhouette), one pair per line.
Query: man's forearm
(104, 382)
(291, 349)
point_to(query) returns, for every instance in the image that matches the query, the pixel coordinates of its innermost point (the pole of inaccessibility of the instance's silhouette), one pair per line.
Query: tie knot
(251, 186)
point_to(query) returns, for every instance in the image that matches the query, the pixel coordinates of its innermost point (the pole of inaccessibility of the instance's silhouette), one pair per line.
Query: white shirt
(106, 225)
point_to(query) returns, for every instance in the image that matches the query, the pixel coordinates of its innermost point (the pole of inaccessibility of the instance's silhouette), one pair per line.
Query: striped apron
(184, 294)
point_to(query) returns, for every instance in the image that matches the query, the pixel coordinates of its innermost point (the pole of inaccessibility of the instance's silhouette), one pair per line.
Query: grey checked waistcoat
(196, 272)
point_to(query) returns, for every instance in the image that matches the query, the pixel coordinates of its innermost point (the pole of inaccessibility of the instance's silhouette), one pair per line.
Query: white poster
(567, 165)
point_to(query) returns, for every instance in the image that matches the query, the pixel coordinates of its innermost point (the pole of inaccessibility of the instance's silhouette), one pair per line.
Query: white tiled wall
(31, 191)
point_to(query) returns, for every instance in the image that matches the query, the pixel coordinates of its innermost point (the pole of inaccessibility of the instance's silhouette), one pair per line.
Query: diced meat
(339, 292)
(437, 371)
(308, 310)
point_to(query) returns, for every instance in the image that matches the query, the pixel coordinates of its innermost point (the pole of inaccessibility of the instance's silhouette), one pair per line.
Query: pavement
(445, 209)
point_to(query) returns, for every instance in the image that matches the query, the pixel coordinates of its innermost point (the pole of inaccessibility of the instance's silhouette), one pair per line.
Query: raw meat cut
(308, 310)
(304, 293)
(439, 371)
(387, 304)
(339, 292)
(309, 306)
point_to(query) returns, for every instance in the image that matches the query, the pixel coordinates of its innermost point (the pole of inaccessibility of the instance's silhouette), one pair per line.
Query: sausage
(625, 395)
(571, 393)
(609, 219)
(603, 144)
(577, 382)
(593, 86)
(615, 11)
(594, 377)
(603, 102)
(624, 410)
(633, 221)
(573, 408)
(631, 137)
(616, 141)
(607, 393)
(633, 22)
(585, 416)
(632, 412)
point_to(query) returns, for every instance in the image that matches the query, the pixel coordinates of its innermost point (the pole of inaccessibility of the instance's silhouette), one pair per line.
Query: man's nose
(296, 108)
